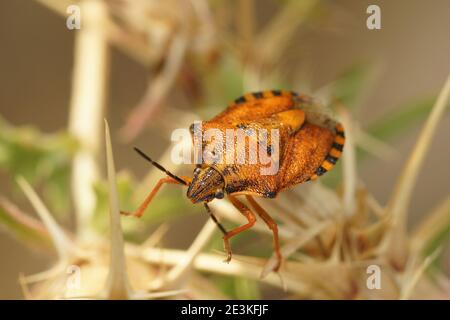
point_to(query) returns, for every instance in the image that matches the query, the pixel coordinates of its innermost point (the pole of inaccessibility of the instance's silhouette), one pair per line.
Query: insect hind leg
(272, 226)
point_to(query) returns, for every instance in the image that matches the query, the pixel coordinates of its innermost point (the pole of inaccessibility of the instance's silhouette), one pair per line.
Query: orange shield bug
(308, 144)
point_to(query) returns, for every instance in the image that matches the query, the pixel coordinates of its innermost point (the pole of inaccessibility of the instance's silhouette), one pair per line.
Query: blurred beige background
(412, 49)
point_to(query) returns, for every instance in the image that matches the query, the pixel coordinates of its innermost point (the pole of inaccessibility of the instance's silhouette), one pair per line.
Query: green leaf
(43, 159)
(238, 287)
(225, 285)
(246, 289)
(402, 119)
(436, 243)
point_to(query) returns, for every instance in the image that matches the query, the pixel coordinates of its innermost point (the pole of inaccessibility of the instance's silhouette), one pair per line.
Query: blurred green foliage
(402, 119)
(350, 84)
(43, 159)
(238, 287)
(23, 227)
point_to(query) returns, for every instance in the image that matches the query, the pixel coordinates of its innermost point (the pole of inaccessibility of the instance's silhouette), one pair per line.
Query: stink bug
(309, 144)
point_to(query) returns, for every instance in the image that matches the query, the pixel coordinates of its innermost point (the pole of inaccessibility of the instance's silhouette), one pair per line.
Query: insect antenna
(208, 209)
(160, 167)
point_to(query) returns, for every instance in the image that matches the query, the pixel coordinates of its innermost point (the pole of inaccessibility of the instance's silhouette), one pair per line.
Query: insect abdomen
(334, 154)
(264, 95)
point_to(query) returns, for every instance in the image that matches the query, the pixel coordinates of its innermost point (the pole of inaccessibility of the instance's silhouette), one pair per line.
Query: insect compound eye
(219, 194)
(191, 128)
(197, 170)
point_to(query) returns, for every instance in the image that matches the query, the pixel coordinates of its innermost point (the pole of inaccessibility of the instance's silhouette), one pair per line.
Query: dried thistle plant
(330, 235)
(338, 239)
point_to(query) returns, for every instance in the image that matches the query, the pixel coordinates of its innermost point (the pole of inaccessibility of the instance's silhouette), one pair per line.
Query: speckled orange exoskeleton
(310, 144)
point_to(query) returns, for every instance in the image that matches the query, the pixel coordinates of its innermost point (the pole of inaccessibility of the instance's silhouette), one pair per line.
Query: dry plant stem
(349, 165)
(21, 217)
(134, 48)
(274, 39)
(159, 295)
(156, 237)
(58, 6)
(434, 223)
(202, 288)
(294, 245)
(49, 275)
(373, 146)
(245, 20)
(246, 25)
(87, 108)
(398, 204)
(286, 217)
(213, 263)
(374, 205)
(319, 209)
(117, 284)
(207, 24)
(408, 289)
(157, 88)
(294, 209)
(61, 242)
(180, 272)
(24, 287)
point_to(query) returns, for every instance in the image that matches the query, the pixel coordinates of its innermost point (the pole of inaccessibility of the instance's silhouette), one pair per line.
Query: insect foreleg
(140, 211)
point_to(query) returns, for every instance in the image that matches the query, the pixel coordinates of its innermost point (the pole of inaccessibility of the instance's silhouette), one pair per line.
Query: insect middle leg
(251, 221)
(140, 211)
(272, 225)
